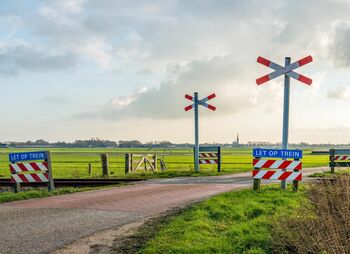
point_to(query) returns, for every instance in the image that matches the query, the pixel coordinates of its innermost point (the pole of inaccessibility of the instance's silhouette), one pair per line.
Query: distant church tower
(236, 143)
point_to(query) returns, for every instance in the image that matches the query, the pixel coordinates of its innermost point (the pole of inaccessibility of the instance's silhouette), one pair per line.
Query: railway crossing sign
(282, 169)
(288, 71)
(277, 153)
(37, 171)
(196, 102)
(27, 156)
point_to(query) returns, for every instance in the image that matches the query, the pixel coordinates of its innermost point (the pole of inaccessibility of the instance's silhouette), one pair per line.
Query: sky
(119, 70)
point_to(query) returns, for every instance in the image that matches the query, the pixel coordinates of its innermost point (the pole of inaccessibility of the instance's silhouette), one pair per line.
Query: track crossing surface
(47, 224)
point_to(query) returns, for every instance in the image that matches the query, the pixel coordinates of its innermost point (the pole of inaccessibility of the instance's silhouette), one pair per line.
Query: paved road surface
(46, 224)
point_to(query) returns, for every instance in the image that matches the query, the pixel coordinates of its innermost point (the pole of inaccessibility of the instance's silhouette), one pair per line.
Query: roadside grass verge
(41, 193)
(234, 222)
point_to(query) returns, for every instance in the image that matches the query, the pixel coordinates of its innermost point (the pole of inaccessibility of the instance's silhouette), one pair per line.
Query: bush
(322, 226)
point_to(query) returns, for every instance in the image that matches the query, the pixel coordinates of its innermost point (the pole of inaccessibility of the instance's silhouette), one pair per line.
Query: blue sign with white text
(28, 156)
(277, 153)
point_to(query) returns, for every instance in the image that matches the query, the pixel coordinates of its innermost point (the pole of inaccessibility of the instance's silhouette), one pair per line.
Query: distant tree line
(94, 142)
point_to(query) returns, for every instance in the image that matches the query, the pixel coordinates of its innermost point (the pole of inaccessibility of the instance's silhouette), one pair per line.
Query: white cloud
(339, 93)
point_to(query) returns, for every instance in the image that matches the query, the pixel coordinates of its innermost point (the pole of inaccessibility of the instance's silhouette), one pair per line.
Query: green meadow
(233, 222)
(73, 162)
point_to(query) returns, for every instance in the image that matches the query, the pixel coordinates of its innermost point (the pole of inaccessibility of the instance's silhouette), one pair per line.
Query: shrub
(322, 226)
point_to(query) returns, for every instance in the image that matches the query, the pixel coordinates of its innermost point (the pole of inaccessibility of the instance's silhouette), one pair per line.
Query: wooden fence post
(155, 162)
(256, 184)
(219, 158)
(104, 161)
(331, 160)
(127, 163)
(89, 169)
(16, 187)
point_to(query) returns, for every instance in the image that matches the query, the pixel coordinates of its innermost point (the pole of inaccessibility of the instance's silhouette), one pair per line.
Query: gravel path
(47, 224)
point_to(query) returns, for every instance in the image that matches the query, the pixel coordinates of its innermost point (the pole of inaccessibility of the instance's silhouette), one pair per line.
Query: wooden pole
(331, 160)
(104, 162)
(155, 162)
(16, 187)
(219, 159)
(256, 184)
(89, 169)
(127, 163)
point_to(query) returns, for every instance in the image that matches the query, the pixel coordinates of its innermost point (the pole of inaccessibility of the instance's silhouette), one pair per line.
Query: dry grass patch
(323, 225)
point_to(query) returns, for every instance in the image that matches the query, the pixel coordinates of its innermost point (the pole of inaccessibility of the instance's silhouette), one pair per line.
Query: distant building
(260, 144)
(3, 145)
(236, 143)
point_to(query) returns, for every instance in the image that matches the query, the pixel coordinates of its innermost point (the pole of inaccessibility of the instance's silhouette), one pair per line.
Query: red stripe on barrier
(206, 161)
(284, 164)
(268, 164)
(268, 174)
(299, 177)
(35, 166)
(299, 166)
(255, 172)
(22, 167)
(23, 178)
(12, 170)
(255, 161)
(262, 80)
(263, 61)
(36, 178)
(305, 80)
(285, 175)
(305, 60)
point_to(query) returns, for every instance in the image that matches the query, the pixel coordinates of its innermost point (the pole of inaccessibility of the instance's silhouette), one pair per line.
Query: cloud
(340, 47)
(15, 59)
(339, 93)
(218, 74)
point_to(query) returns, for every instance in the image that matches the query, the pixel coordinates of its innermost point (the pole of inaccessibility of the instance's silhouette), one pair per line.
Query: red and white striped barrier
(30, 178)
(277, 175)
(341, 158)
(42, 177)
(208, 155)
(201, 161)
(27, 167)
(277, 164)
(208, 160)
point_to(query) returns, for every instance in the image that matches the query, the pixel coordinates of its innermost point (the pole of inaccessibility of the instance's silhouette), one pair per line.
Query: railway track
(74, 182)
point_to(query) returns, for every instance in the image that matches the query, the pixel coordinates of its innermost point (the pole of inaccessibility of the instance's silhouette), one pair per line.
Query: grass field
(73, 162)
(234, 222)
